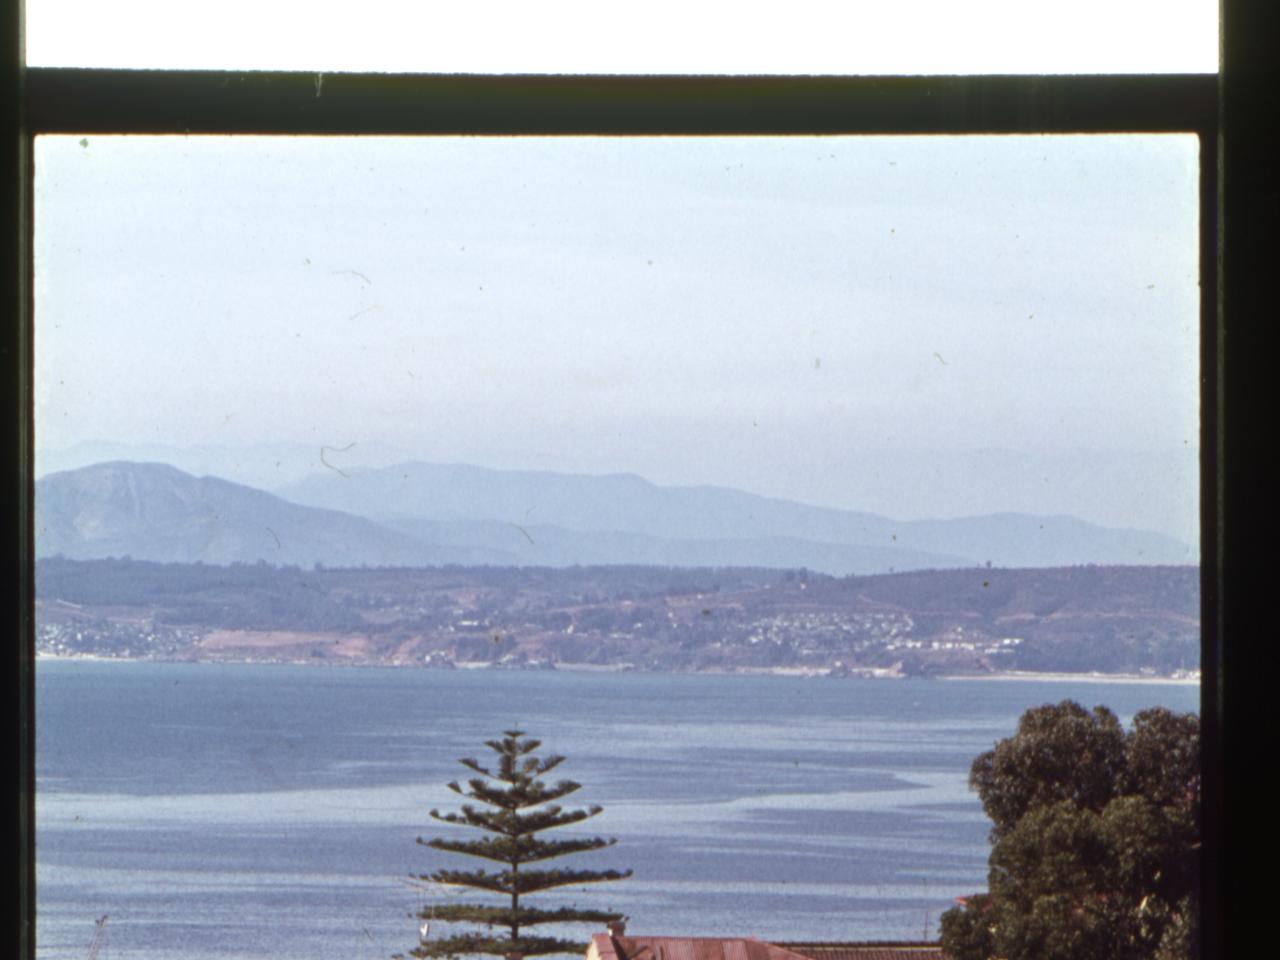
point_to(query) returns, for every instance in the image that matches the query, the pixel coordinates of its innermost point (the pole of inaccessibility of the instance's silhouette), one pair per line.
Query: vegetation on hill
(977, 620)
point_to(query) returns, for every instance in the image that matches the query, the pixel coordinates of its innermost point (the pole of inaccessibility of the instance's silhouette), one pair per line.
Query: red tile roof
(689, 948)
(749, 948)
(887, 950)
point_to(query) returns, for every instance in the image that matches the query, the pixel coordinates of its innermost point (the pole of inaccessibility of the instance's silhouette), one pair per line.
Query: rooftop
(607, 947)
(619, 946)
(870, 950)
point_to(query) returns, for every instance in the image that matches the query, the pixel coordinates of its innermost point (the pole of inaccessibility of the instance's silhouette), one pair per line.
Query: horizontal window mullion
(125, 101)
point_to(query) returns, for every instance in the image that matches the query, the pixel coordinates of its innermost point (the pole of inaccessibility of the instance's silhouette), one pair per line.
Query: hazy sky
(659, 36)
(918, 326)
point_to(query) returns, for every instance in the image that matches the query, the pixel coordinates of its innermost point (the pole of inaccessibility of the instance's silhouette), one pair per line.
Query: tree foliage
(1095, 840)
(520, 806)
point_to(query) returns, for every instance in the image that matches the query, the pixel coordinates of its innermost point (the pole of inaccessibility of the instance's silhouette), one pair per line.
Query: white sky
(658, 36)
(828, 319)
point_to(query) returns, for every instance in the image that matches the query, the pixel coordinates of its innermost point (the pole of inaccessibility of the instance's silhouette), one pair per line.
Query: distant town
(1131, 621)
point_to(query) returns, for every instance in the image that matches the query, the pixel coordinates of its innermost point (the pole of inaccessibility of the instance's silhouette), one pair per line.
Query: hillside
(976, 621)
(156, 512)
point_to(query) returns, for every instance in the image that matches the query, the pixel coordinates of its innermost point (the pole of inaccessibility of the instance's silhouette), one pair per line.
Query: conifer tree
(521, 806)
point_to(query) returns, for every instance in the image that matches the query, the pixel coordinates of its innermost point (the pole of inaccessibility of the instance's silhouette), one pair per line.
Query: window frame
(57, 100)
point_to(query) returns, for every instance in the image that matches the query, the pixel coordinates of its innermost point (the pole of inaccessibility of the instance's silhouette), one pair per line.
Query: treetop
(511, 743)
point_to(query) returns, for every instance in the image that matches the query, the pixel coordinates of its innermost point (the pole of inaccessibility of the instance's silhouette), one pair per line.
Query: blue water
(254, 811)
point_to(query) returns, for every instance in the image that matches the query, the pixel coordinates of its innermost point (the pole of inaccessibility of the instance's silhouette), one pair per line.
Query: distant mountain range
(151, 511)
(421, 514)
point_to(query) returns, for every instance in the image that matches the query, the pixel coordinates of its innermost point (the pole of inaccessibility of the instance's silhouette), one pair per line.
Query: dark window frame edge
(363, 104)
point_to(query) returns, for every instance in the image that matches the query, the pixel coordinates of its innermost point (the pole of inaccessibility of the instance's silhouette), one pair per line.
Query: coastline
(1016, 676)
(1012, 676)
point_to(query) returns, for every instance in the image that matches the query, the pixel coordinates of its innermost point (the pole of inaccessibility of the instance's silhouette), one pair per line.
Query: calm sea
(217, 811)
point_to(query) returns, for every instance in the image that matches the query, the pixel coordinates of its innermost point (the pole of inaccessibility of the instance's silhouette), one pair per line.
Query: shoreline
(1093, 677)
(802, 672)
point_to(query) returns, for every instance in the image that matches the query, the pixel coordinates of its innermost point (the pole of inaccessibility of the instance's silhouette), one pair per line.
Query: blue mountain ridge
(431, 514)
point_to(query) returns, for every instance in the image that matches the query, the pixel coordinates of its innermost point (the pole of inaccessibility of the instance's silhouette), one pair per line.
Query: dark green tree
(1061, 752)
(967, 932)
(1095, 840)
(520, 808)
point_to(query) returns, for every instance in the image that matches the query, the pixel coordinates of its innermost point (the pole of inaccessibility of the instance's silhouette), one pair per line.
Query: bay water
(229, 811)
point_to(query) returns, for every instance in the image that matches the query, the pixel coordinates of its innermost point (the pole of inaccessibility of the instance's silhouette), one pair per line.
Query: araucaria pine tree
(520, 807)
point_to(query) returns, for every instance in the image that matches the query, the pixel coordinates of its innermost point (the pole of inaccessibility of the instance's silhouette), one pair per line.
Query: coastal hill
(417, 514)
(977, 620)
(156, 512)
